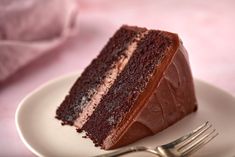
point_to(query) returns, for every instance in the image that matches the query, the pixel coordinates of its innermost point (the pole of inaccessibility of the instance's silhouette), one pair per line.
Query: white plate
(44, 135)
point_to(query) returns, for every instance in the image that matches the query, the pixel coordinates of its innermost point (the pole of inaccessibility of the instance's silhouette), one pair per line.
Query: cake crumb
(111, 120)
(79, 130)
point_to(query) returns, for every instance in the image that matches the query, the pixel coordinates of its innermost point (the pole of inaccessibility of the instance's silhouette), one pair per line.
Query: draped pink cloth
(30, 28)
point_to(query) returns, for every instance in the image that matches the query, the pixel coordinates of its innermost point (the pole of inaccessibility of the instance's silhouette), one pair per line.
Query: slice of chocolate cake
(138, 85)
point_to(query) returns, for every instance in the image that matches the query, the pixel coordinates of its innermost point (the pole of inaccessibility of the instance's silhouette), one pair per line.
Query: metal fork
(181, 147)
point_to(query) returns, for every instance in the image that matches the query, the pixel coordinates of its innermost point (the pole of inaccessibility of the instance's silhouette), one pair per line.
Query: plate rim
(21, 103)
(66, 76)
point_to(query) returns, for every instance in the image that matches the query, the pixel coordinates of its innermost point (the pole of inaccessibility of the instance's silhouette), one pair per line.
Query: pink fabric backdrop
(206, 28)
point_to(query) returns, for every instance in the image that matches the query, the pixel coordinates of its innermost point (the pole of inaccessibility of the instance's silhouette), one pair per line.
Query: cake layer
(172, 100)
(90, 86)
(157, 47)
(108, 81)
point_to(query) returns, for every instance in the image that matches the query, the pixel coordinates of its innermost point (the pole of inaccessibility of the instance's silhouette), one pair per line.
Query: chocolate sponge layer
(133, 89)
(85, 86)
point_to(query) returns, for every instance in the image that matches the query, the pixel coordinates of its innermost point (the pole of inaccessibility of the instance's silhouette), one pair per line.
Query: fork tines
(196, 139)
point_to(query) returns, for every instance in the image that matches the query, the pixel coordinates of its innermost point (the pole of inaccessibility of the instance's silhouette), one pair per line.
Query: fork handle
(128, 151)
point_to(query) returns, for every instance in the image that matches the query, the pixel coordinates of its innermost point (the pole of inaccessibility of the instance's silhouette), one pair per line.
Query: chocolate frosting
(172, 99)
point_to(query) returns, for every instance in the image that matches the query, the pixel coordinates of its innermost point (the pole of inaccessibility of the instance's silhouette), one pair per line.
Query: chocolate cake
(140, 84)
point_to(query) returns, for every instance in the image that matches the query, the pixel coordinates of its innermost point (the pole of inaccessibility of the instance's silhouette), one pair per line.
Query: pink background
(205, 26)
